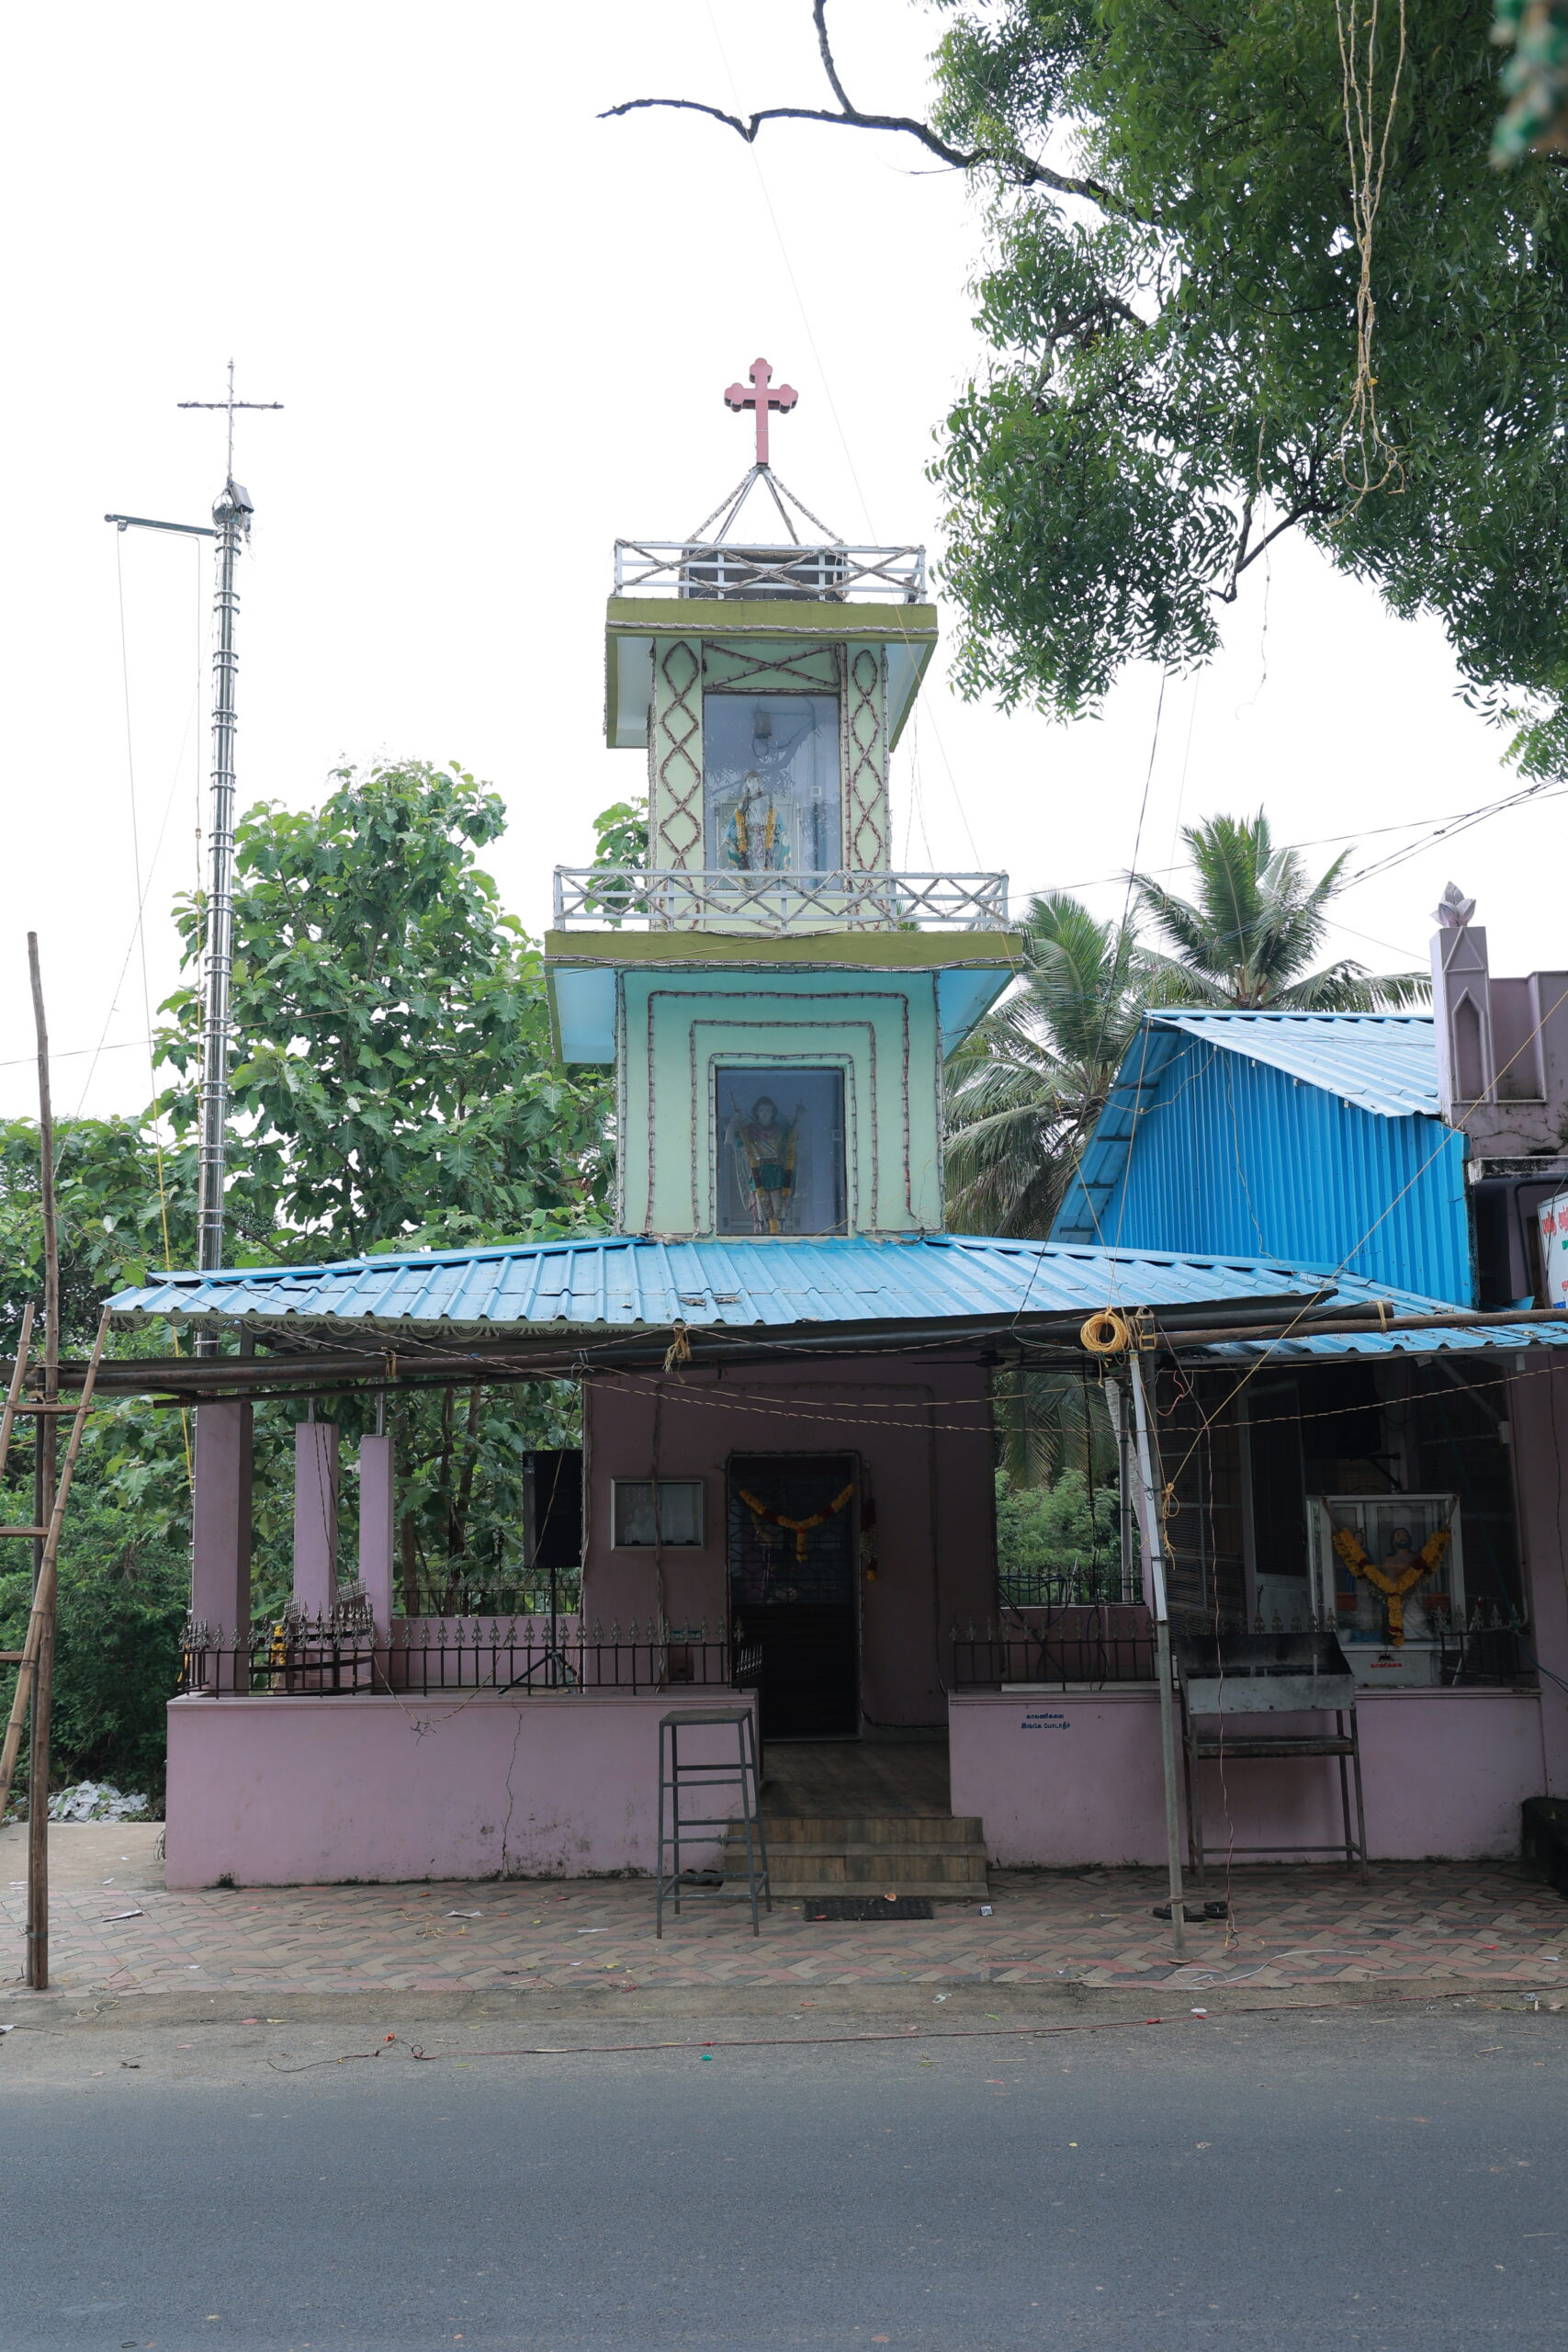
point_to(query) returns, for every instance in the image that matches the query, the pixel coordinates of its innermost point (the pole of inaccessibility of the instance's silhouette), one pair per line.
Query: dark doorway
(794, 1531)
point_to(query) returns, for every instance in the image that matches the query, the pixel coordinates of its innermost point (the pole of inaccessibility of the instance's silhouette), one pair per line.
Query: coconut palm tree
(1255, 921)
(1024, 1092)
(1027, 1086)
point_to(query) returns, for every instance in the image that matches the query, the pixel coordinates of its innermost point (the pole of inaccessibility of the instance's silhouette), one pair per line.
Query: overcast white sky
(501, 329)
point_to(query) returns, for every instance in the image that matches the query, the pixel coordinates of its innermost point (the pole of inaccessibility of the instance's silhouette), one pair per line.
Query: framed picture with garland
(1390, 1573)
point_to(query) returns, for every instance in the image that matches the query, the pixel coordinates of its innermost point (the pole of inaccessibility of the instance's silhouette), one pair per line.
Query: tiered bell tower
(778, 1004)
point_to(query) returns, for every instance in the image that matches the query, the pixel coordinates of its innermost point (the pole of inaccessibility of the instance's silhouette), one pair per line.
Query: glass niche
(1390, 1580)
(780, 1150)
(771, 790)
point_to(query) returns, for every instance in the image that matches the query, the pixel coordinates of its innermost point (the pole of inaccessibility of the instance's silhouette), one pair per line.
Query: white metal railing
(830, 574)
(668, 899)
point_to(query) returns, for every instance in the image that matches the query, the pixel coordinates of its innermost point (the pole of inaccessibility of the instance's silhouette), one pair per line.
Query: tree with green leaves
(120, 1200)
(123, 1597)
(396, 1086)
(1257, 919)
(1251, 272)
(1065, 1532)
(1023, 1093)
(396, 1089)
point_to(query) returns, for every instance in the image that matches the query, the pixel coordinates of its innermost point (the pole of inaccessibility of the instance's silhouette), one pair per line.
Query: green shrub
(123, 1596)
(1060, 1530)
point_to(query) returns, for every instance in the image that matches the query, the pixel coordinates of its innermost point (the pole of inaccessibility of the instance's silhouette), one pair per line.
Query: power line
(1456, 821)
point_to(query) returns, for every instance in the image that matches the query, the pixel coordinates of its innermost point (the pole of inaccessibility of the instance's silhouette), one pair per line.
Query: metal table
(1229, 1675)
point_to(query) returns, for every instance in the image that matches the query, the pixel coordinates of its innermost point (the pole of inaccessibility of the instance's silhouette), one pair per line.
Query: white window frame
(670, 1543)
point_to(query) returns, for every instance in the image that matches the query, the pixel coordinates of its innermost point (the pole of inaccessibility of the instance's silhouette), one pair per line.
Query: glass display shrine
(1392, 1530)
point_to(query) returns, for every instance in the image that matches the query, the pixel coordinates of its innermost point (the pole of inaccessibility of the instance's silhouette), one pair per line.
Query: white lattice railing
(668, 900)
(825, 575)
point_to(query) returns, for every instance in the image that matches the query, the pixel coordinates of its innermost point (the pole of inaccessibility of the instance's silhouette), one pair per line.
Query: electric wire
(139, 934)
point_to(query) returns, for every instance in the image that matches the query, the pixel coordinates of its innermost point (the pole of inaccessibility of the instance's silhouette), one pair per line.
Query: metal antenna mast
(231, 512)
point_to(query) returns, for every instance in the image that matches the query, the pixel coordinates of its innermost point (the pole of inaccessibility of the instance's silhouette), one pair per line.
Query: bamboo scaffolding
(44, 1591)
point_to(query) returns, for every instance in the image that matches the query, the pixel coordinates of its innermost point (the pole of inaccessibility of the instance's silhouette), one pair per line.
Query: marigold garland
(798, 1528)
(1392, 1589)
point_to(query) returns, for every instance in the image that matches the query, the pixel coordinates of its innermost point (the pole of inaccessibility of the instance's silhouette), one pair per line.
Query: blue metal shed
(1314, 1137)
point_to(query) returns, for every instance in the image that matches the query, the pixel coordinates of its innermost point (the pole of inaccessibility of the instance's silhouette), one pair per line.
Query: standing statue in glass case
(765, 1150)
(755, 838)
(763, 831)
(1403, 1571)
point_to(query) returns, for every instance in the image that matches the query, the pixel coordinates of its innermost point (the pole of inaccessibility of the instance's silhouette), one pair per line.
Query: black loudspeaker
(552, 1508)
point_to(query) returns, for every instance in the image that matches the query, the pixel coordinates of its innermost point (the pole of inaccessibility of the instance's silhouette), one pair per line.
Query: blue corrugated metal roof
(1314, 1139)
(620, 1281)
(1383, 1062)
(1464, 1340)
(618, 1284)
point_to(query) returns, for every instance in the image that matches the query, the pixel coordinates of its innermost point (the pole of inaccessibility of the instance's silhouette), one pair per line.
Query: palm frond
(1347, 987)
(1256, 921)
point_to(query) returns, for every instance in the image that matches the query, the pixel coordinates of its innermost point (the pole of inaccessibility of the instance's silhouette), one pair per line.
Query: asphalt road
(1384, 2179)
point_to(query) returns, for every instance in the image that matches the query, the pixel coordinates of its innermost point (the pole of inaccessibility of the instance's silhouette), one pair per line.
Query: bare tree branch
(1246, 556)
(1239, 556)
(1298, 514)
(1022, 171)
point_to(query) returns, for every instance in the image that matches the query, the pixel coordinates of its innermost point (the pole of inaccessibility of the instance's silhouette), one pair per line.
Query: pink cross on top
(763, 395)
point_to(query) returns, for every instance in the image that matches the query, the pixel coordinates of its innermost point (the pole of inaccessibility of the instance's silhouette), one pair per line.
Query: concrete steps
(940, 1855)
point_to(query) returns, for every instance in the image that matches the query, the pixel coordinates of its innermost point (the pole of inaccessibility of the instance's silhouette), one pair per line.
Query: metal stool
(677, 1773)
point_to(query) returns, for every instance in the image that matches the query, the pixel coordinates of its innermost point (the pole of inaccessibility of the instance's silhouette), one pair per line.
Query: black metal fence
(1077, 1643)
(1080, 1645)
(304, 1657)
(1093, 1583)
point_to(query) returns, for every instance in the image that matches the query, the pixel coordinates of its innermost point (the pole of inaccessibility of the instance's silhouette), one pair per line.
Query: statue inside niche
(755, 840)
(765, 1146)
(760, 834)
(1398, 1563)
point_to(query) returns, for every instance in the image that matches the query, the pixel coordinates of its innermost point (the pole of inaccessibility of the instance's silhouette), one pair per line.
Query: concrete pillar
(378, 1494)
(315, 1515)
(1461, 1016)
(1539, 1429)
(221, 1514)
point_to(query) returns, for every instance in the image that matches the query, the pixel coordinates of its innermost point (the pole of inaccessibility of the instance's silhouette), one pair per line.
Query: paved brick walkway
(1292, 1926)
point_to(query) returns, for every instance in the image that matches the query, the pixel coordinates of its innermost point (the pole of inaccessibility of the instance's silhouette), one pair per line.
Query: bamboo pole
(14, 1391)
(43, 1596)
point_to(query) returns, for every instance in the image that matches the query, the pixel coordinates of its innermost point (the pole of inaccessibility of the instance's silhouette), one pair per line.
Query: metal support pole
(1132, 1584)
(44, 1487)
(232, 514)
(1154, 1545)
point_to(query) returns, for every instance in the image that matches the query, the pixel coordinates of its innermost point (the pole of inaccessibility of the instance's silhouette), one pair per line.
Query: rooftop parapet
(779, 902)
(830, 573)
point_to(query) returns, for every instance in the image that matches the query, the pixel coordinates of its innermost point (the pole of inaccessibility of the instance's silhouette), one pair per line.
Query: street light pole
(232, 514)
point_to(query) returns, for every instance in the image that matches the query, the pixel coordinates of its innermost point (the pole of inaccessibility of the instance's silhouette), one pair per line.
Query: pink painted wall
(1062, 1780)
(281, 1791)
(923, 1435)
